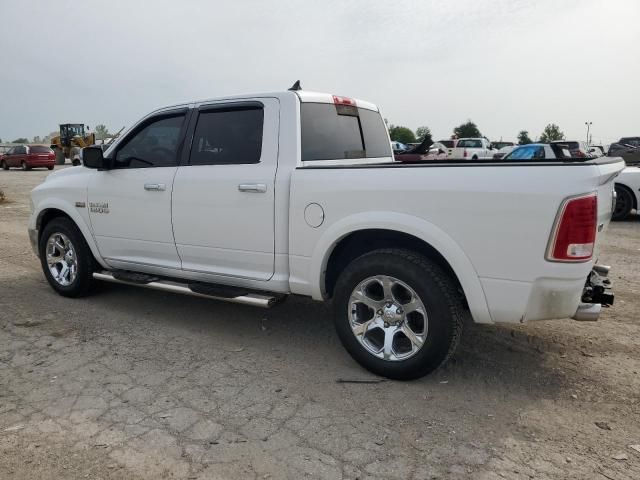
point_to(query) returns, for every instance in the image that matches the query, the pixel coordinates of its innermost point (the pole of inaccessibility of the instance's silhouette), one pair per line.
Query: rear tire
(624, 204)
(4, 165)
(432, 338)
(66, 259)
(50, 168)
(24, 166)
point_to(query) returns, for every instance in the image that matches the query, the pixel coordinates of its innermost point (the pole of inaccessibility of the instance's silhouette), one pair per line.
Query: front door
(223, 199)
(130, 204)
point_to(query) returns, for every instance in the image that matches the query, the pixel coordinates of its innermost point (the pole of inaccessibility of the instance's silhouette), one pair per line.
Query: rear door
(223, 195)
(130, 204)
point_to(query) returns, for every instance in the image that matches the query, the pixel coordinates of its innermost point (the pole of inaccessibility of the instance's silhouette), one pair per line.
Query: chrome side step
(254, 299)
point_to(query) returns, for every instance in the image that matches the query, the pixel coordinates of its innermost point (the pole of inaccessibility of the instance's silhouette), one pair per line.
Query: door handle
(158, 187)
(253, 187)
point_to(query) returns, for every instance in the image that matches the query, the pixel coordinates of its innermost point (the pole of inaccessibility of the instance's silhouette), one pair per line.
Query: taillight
(344, 101)
(574, 233)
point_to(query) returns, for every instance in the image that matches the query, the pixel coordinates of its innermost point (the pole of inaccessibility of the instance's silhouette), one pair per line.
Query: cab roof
(304, 96)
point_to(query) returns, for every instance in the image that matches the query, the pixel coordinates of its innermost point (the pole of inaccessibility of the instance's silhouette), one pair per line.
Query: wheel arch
(352, 237)
(51, 212)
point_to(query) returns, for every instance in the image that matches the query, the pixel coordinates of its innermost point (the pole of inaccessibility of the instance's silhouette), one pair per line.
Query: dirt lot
(133, 383)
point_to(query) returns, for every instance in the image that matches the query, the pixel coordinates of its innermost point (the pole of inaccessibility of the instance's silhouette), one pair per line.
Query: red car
(28, 157)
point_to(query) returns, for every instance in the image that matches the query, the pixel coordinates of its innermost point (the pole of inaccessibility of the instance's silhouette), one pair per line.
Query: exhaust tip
(588, 312)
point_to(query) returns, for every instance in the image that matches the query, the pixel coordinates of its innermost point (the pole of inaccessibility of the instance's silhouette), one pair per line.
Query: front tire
(24, 166)
(50, 168)
(66, 259)
(4, 165)
(624, 204)
(397, 313)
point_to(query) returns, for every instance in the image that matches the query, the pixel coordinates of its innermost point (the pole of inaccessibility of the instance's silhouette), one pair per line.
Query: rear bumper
(40, 163)
(547, 298)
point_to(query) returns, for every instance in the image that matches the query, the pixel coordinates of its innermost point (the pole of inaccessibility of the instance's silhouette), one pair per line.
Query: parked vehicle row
(27, 157)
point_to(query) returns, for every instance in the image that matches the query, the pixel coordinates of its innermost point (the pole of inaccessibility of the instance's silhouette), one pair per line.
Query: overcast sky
(506, 64)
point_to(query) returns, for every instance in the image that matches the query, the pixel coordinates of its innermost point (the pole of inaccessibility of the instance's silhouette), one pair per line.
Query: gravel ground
(132, 383)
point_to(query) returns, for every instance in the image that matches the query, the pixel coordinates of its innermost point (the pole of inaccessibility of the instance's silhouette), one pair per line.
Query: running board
(254, 299)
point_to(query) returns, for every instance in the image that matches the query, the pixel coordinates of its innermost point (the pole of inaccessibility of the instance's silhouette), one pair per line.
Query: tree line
(469, 129)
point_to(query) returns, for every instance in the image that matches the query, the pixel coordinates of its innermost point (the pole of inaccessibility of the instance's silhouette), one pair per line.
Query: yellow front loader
(70, 142)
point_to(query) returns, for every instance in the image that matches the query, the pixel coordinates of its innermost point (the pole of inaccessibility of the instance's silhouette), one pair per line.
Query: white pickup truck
(254, 197)
(473, 149)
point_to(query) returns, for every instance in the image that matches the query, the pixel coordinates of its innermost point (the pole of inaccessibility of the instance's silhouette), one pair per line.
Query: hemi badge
(81, 205)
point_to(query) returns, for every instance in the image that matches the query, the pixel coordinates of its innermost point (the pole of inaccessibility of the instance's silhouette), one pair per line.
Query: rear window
(447, 143)
(40, 149)
(331, 132)
(469, 144)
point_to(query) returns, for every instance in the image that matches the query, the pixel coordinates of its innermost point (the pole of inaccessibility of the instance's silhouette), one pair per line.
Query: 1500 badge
(98, 207)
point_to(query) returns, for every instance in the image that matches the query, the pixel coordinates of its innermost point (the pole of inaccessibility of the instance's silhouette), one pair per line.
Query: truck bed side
(491, 222)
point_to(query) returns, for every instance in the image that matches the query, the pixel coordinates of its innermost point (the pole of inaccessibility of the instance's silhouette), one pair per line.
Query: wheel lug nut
(386, 325)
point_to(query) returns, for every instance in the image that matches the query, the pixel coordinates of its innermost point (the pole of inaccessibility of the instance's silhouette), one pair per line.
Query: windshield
(469, 144)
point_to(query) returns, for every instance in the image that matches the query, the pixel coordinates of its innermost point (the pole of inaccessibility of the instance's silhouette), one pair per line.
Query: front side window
(228, 136)
(155, 145)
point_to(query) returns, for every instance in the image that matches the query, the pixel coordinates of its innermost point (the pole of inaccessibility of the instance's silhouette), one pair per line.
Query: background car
(27, 157)
(500, 145)
(577, 149)
(597, 150)
(398, 147)
(423, 152)
(627, 187)
(539, 151)
(449, 144)
(505, 150)
(627, 148)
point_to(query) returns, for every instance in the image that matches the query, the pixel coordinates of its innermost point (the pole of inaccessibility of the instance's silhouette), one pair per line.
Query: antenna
(296, 86)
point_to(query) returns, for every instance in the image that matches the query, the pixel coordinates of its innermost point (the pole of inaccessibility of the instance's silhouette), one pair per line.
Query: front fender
(410, 225)
(79, 215)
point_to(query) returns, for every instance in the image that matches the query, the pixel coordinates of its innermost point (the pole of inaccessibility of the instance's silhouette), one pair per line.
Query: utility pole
(588, 124)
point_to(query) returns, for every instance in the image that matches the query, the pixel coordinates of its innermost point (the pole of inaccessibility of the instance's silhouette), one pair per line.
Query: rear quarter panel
(488, 221)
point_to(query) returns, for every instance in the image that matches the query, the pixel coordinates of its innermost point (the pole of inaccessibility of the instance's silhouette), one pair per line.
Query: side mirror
(93, 157)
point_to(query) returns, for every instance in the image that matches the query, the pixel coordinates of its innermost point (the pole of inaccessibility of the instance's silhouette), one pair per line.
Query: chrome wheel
(388, 318)
(62, 259)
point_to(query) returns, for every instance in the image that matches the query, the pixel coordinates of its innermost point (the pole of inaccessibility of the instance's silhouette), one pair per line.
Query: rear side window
(40, 149)
(331, 132)
(228, 137)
